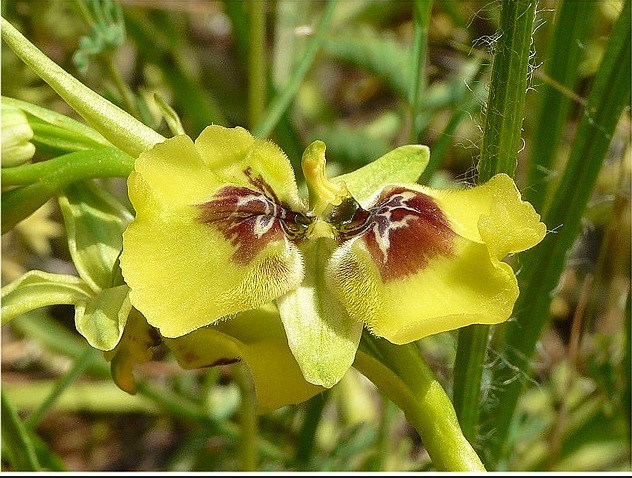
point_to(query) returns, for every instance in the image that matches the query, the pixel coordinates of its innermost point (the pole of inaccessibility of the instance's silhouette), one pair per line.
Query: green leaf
(16, 440)
(402, 165)
(116, 125)
(102, 319)
(95, 222)
(573, 23)
(37, 289)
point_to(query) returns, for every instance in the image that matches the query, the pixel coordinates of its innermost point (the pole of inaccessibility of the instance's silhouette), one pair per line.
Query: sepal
(95, 222)
(37, 289)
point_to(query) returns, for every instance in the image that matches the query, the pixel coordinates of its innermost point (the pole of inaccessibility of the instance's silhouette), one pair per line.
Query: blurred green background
(198, 56)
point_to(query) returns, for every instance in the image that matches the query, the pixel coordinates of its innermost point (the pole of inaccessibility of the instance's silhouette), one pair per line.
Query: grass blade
(16, 441)
(543, 265)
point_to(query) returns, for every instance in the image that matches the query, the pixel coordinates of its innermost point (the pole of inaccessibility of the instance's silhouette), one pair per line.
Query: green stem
(248, 419)
(500, 145)
(71, 167)
(280, 103)
(40, 181)
(422, 10)
(115, 124)
(15, 439)
(257, 62)
(400, 372)
(542, 266)
(505, 106)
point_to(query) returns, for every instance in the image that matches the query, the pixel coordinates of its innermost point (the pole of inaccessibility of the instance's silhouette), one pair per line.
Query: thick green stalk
(280, 103)
(248, 419)
(500, 145)
(400, 372)
(119, 127)
(71, 167)
(543, 265)
(40, 181)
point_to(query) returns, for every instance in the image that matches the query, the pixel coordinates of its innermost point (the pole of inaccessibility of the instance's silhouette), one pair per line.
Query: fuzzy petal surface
(430, 260)
(201, 248)
(320, 333)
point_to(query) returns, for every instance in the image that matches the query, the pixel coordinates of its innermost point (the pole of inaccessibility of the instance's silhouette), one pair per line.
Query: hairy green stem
(505, 106)
(500, 145)
(542, 266)
(400, 372)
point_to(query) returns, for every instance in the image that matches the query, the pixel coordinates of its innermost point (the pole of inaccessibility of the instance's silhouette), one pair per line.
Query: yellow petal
(463, 288)
(237, 157)
(493, 213)
(257, 338)
(427, 261)
(187, 259)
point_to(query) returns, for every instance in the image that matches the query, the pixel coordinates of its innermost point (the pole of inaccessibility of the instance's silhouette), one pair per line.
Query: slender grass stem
(280, 103)
(80, 365)
(15, 439)
(257, 62)
(421, 16)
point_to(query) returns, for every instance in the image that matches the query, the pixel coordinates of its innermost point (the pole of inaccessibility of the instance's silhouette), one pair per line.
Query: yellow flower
(220, 229)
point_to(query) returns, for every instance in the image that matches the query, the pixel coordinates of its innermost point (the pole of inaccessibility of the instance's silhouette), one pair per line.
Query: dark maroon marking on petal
(225, 361)
(406, 230)
(251, 218)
